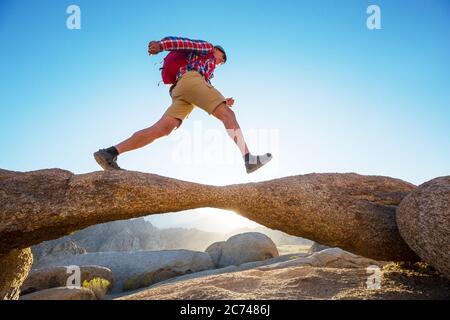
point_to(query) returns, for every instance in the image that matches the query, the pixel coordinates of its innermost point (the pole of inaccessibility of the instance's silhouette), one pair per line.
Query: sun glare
(225, 221)
(205, 219)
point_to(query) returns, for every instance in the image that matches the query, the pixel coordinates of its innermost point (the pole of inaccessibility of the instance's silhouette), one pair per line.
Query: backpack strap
(172, 87)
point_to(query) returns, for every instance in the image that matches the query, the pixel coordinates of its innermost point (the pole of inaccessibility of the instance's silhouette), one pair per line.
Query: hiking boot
(106, 160)
(253, 163)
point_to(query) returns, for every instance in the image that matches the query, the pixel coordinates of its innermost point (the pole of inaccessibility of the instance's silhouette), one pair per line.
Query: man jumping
(192, 88)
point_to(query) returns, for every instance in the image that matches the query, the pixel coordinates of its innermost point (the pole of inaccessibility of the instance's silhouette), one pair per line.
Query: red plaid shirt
(201, 56)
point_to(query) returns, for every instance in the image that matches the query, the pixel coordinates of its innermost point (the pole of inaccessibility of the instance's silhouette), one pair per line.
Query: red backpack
(172, 64)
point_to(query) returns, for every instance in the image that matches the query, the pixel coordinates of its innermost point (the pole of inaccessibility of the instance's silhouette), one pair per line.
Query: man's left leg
(202, 94)
(228, 118)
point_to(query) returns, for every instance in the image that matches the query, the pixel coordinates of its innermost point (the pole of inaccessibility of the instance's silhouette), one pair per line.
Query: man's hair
(223, 51)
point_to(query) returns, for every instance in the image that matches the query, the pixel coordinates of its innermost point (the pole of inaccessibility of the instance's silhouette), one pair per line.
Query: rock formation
(346, 210)
(350, 211)
(14, 268)
(424, 221)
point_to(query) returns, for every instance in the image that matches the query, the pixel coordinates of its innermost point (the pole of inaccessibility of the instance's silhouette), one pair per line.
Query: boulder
(62, 293)
(131, 267)
(215, 251)
(242, 248)
(423, 218)
(53, 277)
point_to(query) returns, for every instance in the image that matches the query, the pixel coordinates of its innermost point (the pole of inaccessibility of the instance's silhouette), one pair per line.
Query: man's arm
(177, 43)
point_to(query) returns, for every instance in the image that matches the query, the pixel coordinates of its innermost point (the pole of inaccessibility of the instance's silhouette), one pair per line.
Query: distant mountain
(205, 219)
(140, 234)
(57, 248)
(129, 235)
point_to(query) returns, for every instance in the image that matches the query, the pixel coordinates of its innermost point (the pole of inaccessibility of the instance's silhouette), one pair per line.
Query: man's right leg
(204, 95)
(228, 118)
(107, 158)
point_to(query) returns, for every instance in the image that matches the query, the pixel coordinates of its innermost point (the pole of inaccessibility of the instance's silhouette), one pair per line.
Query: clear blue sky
(342, 98)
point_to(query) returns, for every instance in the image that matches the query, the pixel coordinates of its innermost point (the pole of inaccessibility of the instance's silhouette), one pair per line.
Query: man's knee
(224, 113)
(167, 124)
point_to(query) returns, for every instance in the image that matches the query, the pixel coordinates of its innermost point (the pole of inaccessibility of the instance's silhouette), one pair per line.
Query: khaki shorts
(193, 90)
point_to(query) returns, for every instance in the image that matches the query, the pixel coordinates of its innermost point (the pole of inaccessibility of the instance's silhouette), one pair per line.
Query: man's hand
(154, 47)
(229, 102)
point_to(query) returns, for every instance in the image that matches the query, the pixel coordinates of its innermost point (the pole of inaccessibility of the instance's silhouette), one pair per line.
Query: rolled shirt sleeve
(185, 44)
